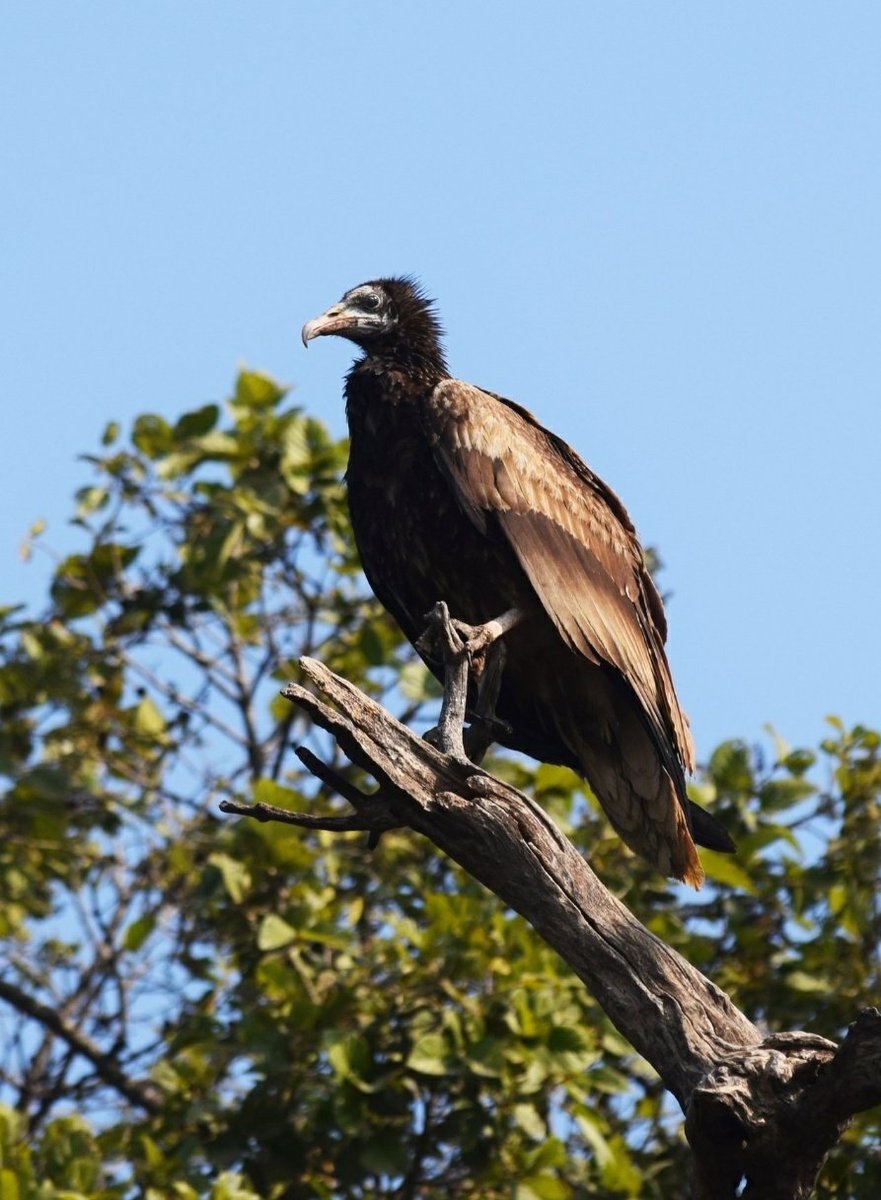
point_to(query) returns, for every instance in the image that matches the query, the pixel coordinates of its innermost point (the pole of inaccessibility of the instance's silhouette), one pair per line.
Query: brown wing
(572, 537)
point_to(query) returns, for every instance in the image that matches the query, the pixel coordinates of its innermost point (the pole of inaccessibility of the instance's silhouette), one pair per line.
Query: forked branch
(761, 1112)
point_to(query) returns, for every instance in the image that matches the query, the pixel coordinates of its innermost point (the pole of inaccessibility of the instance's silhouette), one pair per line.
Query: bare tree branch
(761, 1112)
(139, 1092)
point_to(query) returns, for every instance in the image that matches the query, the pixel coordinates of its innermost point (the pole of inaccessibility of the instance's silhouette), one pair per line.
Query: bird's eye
(371, 301)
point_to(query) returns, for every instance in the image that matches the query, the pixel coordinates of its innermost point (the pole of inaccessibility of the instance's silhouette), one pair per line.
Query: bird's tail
(709, 832)
(622, 766)
(652, 822)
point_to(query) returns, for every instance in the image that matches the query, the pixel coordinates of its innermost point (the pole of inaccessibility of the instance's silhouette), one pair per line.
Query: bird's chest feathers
(396, 490)
(414, 539)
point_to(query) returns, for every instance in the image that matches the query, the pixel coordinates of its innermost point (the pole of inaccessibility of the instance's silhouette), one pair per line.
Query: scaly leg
(465, 648)
(485, 727)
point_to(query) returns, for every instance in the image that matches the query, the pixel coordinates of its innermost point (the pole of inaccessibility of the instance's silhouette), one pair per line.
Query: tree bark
(761, 1112)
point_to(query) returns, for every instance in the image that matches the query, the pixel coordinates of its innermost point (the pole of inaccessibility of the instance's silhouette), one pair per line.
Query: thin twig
(139, 1092)
(359, 822)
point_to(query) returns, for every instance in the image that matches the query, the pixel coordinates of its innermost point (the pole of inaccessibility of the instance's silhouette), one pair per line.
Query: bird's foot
(441, 636)
(476, 641)
(445, 635)
(475, 649)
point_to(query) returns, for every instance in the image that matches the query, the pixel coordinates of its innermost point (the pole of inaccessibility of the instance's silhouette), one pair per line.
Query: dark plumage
(457, 494)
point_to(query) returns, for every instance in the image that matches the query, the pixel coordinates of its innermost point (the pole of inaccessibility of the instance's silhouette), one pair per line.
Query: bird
(459, 495)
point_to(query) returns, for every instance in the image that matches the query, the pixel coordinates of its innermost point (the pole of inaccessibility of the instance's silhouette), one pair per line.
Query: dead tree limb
(761, 1112)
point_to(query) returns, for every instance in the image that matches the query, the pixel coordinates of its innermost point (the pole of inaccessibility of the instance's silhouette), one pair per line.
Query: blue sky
(656, 225)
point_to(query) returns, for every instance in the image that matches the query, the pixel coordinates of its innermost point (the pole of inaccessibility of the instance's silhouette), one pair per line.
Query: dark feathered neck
(412, 348)
(421, 366)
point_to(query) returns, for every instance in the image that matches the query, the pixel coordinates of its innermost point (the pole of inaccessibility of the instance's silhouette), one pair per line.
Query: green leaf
(542, 1187)
(487, 1058)
(138, 932)
(731, 767)
(349, 1055)
(417, 682)
(89, 499)
(429, 1055)
(236, 876)
(148, 720)
(152, 435)
(385, 1154)
(779, 794)
(254, 390)
(274, 933)
(551, 1153)
(551, 779)
(527, 1117)
(267, 791)
(799, 761)
(196, 423)
(231, 1186)
(801, 981)
(232, 545)
(722, 868)
(766, 835)
(593, 1133)
(9, 1189)
(565, 1038)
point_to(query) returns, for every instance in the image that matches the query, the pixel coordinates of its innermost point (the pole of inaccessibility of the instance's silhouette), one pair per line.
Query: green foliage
(277, 1014)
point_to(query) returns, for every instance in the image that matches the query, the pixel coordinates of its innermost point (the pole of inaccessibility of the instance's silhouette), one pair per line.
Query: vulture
(457, 494)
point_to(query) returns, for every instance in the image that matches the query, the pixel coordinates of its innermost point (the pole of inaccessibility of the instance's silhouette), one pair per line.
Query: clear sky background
(656, 225)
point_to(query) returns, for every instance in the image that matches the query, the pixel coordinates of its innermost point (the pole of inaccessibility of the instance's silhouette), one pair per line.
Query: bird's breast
(416, 544)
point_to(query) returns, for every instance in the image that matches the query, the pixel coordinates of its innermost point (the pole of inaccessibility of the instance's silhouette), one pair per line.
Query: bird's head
(391, 318)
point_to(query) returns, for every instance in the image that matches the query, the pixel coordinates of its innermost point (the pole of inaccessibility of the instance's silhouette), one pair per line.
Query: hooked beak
(335, 320)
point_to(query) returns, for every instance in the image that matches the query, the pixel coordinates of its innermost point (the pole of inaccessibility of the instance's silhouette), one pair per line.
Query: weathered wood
(771, 1113)
(760, 1110)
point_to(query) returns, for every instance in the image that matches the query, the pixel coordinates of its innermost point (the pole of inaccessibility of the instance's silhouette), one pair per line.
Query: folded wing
(574, 541)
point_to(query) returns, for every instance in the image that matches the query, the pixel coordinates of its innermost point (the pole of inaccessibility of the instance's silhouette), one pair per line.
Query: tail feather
(638, 795)
(708, 831)
(593, 714)
(644, 809)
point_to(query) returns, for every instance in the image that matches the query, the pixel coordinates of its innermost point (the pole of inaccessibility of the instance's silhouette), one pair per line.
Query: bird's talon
(441, 636)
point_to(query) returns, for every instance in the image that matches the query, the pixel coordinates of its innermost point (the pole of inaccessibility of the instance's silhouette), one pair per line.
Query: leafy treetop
(200, 1008)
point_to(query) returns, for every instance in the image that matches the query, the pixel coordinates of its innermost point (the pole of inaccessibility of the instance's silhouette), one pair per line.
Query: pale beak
(336, 319)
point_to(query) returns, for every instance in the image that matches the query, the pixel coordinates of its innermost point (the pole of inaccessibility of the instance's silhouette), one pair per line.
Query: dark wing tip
(709, 832)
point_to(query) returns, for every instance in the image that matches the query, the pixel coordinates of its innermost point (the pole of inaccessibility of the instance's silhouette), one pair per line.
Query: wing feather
(572, 537)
